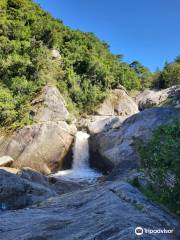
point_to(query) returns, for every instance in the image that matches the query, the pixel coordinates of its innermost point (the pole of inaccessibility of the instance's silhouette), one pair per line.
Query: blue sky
(144, 30)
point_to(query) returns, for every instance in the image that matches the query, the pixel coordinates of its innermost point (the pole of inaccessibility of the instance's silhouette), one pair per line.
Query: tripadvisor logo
(139, 231)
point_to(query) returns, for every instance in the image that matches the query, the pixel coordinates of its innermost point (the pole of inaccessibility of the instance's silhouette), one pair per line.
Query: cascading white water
(81, 151)
(80, 168)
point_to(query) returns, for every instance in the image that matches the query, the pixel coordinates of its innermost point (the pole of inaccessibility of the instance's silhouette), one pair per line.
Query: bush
(7, 107)
(161, 163)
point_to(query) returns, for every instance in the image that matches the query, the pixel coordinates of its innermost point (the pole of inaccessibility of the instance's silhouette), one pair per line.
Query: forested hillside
(84, 73)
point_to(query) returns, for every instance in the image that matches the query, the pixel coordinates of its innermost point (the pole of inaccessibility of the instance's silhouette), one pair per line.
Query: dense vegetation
(84, 74)
(169, 76)
(143, 74)
(161, 163)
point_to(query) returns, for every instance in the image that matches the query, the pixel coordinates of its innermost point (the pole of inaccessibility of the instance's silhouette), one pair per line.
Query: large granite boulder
(116, 147)
(119, 103)
(110, 211)
(95, 124)
(43, 145)
(111, 113)
(150, 98)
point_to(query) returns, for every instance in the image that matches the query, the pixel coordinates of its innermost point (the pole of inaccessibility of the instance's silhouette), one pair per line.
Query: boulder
(117, 147)
(118, 104)
(150, 98)
(18, 192)
(43, 145)
(111, 113)
(108, 211)
(98, 124)
(6, 161)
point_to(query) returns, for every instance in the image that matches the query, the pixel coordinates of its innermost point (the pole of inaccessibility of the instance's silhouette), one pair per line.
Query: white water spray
(81, 151)
(80, 168)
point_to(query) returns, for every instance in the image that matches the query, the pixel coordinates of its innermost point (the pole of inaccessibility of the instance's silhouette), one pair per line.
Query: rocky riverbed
(36, 204)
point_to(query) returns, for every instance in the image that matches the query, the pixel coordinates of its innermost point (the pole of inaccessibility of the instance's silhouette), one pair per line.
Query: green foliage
(169, 76)
(85, 72)
(7, 107)
(143, 73)
(161, 163)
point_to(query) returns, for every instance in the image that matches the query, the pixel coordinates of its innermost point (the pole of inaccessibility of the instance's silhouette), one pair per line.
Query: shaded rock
(33, 176)
(12, 191)
(119, 145)
(150, 98)
(111, 211)
(61, 186)
(17, 192)
(118, 104)
(6, 161)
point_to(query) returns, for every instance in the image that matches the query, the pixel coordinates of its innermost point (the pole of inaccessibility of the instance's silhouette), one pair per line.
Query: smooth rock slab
(119, 146)
(23, 190)
(108, 212)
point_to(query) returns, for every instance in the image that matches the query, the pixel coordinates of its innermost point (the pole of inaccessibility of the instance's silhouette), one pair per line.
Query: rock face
(112, 112)
(18, 192)
(49, 106)
(6, 161)
(117, 147)
(21, 188)
(150, 98)
(111, 211)
(118, 104)
(43, 145)
(98, 124)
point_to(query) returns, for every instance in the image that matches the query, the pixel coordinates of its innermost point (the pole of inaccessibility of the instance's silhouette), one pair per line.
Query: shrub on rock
(161, 162)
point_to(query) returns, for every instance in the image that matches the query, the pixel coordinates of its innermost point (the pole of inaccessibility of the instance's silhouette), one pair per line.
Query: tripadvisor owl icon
(138, 231)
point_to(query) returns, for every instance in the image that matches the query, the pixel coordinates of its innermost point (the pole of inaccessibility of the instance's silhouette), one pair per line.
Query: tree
(143, 73)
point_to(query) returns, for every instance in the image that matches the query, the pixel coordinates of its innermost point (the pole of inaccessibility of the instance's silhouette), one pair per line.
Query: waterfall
(81, 151)
(80, 168)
